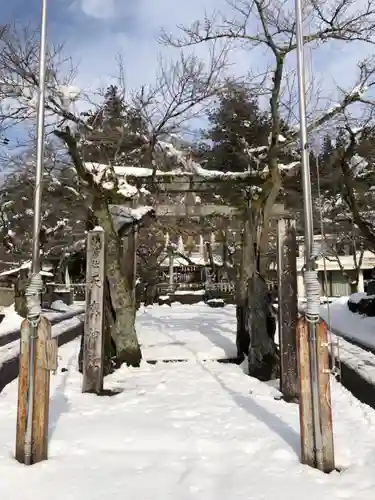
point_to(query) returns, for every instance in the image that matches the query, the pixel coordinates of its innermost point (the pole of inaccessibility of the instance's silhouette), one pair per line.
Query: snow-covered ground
(11, 350)
(346, 326)
(12, 320)
(191, 430)
(187, 332)
(352, 326)
(66, 317)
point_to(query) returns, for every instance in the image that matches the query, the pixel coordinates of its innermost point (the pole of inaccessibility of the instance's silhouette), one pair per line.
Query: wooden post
(225, 254)
(305, 401)
(93, 341)
(45, 361)
(288, 308)
(129, 247)
(171, 267)
(308, 451)
(325, 398)
(210, 256)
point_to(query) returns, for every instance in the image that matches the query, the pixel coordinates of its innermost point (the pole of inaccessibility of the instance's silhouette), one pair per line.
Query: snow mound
(12, 320)
(352, 326)
(357, 297)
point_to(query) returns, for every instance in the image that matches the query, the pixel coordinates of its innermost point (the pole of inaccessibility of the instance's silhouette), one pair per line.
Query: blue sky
(95, 31)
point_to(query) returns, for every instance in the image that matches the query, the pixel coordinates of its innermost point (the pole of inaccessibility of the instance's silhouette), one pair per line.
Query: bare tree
(16, 207)
(269, 24)
(346, 244)
(349, 213)
(155, 112)
(19, 64)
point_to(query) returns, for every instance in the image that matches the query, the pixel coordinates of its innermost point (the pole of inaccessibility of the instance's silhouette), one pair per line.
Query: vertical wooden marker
(93, 344)
(326, 462)
(305, 401)
(45, 361)
(325, 398)
(288, 309)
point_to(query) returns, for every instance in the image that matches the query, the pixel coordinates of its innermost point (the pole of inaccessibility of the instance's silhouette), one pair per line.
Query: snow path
(191, 430)
(187, 332)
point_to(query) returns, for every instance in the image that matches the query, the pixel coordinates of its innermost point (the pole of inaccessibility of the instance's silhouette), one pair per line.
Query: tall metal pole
(35, 268)
(309, 232)
(40, 141)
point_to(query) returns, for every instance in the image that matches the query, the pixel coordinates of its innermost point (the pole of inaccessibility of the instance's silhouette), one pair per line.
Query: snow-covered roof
(195, 259)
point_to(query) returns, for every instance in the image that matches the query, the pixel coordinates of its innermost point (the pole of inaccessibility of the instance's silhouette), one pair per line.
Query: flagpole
(310, 276)
(40, 141)
(34, 315)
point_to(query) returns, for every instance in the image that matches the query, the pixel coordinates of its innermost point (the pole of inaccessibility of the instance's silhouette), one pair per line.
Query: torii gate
(190, 184)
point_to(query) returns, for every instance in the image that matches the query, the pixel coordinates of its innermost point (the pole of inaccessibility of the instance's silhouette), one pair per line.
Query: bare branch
(341, 20)
(182, 90)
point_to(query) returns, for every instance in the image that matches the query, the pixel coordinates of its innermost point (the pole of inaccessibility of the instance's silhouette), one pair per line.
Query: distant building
(338, 284)
(191, 267)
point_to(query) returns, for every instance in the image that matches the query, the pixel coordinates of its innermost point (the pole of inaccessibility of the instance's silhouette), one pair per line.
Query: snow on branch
(185, 166)
(354, 95)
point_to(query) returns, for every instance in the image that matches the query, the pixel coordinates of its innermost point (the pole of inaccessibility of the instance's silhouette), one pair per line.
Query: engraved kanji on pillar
(93, 342)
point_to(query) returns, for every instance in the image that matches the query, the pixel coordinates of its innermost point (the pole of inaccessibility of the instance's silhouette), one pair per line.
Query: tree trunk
(150, 288)
(256, 324)
(246, 263)
(353, 286)
(129, 243)
(122, 293)
(109, 321)
(263, 356)
(123, 330)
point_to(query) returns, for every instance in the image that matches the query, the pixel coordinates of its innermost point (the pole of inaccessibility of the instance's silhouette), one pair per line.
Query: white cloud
(99, 9)
(134, 32)
(131, 28)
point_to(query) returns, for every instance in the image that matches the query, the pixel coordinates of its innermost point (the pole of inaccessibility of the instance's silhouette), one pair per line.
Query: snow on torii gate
(205, 210)
(201, 181)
